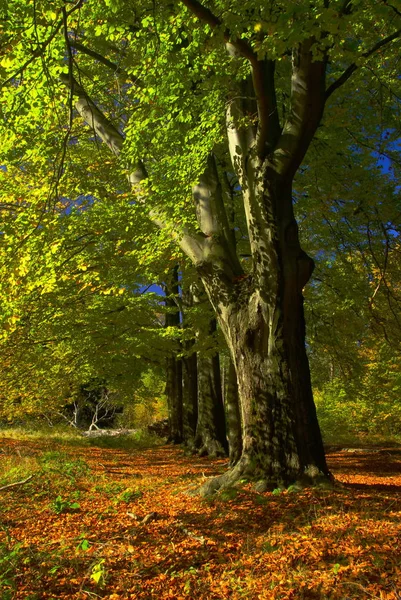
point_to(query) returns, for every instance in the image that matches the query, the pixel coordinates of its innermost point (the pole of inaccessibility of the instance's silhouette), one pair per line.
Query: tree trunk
(173, 392)
(269, 451)
(211, 427)
(297, 269)
(233, 416)
(261, 316)
(173, 389)
(190, 398)
(189, 376)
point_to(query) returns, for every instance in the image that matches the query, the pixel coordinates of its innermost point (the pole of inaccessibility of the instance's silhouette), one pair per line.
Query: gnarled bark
(261, 316)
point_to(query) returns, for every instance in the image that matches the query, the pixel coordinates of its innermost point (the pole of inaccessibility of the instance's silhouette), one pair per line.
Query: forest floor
(117, 523)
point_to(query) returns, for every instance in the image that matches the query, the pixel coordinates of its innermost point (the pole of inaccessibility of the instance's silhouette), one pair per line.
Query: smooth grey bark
(232, 410)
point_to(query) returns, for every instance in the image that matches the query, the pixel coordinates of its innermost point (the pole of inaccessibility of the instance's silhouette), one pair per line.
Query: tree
(193, 382)
(194, 86)
(174, 390)
(210, 436)
(233, 417)
(354, 303)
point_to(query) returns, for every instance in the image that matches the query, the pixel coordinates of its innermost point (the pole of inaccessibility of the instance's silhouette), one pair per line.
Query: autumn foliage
(119, 523)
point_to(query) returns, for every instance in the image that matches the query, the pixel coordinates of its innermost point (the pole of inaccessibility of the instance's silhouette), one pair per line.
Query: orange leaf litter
(138, 527)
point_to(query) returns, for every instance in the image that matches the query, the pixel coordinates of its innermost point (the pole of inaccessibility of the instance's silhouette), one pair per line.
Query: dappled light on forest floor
(116, 523)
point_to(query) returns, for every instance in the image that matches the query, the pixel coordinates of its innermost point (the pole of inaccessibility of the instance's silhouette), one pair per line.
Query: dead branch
(10, 485)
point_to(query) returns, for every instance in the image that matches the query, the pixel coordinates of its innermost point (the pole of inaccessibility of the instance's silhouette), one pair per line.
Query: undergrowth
(54, 436)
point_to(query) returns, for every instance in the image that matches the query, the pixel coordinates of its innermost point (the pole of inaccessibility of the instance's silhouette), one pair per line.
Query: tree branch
(205, 193)
(346, 8)
(41, 50)
(240, 139)
(269, 126)
(394, 8)
(211, 212)
(191, 244)
(307, 105)
(94, 117)
(99, 57)
(353, 67)
(105, 61)
(10, 485)
(262, 77)
(205, 14)
(70, 75)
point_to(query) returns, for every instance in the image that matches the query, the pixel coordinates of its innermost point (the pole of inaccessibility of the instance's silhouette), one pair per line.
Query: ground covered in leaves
(116, 523)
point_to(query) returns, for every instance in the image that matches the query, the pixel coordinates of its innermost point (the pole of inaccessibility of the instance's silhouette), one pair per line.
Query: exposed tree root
(212, 448)
(244, 471)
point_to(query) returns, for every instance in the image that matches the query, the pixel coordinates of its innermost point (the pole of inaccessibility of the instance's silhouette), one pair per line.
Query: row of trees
(352, 348)
(202, 131)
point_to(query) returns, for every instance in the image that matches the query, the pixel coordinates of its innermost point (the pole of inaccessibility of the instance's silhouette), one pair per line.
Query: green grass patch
(68, 436)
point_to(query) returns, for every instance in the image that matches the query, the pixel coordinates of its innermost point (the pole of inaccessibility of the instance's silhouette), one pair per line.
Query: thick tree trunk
(211, 427)
(269, 451)
(261, 316)
(297, 270)
(233, 416)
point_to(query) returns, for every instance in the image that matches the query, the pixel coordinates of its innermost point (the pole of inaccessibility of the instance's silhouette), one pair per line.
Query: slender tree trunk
(211, 427)
(190, 398)
(173, 389)
(189, 377)
(173, 392)
(233, 416)
(210, 436)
